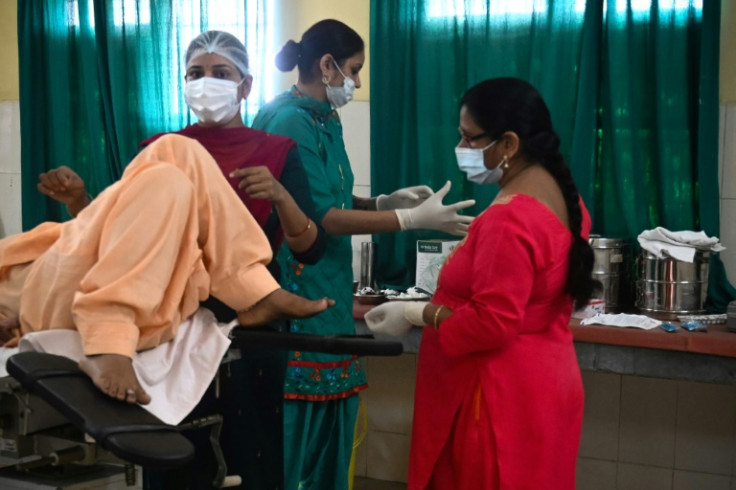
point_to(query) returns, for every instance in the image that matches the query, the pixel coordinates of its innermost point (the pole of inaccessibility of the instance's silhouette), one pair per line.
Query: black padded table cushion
(358, 345)
(126, 430)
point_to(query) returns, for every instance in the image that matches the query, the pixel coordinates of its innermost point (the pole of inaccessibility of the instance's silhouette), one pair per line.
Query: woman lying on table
(138, 260)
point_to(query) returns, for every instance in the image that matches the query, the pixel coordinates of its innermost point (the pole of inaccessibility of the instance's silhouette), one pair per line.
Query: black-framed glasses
(469, 139)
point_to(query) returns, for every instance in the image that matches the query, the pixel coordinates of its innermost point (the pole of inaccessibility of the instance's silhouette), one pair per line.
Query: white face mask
(470, 161)
(339, 96)
(214, 101)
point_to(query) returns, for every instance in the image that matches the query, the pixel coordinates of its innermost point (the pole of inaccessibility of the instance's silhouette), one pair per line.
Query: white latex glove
(433, 215)
(408, 197)
(395, 317)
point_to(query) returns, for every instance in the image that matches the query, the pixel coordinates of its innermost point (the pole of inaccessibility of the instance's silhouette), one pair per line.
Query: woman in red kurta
(499, 398)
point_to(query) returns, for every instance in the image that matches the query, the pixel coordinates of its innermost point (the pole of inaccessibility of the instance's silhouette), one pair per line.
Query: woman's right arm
(431, 214)
(359, 222)
(298, 125)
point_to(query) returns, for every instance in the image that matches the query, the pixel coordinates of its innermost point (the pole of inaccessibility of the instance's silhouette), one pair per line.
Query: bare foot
(281, 305)
(115, 376)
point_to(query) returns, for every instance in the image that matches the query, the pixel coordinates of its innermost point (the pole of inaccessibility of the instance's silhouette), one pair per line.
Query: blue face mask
(470, 161)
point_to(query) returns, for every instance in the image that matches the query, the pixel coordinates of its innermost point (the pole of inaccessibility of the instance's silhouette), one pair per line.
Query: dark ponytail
(288, 57)
(327, 36)
(499, 105)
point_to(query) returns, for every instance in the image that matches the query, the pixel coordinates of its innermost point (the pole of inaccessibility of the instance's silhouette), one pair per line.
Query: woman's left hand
(395, 317)
(259, 183)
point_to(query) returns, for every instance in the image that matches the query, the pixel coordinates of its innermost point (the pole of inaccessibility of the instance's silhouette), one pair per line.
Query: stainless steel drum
(667, 287)
(609, 267)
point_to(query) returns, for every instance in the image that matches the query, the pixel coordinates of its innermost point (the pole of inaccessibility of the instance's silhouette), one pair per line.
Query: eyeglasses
(469, 139)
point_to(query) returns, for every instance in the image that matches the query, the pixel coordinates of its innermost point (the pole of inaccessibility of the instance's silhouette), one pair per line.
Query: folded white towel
(680, 245)
(176, 374)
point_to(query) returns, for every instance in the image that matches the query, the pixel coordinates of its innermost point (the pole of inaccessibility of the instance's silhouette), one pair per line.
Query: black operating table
(51, 414)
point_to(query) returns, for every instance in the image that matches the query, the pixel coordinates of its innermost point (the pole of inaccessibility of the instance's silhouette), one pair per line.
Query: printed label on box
(431, 255)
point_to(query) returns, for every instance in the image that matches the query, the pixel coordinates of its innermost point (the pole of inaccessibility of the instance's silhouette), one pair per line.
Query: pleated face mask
(470, 161)
(214, 101)
(339, 96)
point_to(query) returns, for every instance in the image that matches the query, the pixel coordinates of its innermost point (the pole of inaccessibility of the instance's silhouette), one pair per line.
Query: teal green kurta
(320, 389)
(317, 130)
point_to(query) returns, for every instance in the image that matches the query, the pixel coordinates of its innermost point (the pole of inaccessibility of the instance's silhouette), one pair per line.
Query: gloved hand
(433, 215)
(408, 197)
(395, 317)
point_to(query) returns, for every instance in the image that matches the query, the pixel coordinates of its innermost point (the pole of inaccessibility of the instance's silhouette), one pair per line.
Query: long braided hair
(506, 104)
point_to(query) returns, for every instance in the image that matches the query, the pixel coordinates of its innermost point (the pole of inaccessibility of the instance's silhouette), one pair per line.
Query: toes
(117, 391)
(143, 398)
(131, 396)
(114, 376)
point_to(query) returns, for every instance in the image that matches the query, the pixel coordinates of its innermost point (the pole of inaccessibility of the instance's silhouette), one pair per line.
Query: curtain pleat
(99, 76)
(632, 88)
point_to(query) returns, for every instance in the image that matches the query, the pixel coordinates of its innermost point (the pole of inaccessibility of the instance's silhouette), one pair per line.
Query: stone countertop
(693, 356)
(717, 341)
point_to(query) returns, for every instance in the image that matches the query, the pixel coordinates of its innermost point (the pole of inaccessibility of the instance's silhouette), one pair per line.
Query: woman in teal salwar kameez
(321, 390)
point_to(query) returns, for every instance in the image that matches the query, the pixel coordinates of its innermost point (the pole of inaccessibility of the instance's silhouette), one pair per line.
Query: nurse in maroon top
(499, 397)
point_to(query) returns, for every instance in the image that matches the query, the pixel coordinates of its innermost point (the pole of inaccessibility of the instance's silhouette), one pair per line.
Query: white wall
(727, 186)
(356, 127)
(10, 203)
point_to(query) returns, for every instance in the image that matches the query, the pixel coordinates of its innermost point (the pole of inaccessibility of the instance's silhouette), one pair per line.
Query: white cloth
(622, 320)
(680, 245)
(5, 353)
(176, 374)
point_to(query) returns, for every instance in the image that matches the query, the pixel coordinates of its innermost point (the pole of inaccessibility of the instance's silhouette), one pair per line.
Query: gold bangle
(437, 316)
(306, 228)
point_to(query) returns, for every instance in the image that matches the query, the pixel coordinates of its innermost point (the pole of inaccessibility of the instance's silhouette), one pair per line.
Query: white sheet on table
(176, 374)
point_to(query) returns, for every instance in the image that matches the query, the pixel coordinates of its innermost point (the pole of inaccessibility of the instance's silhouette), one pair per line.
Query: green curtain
(632, 88)
(99, 76)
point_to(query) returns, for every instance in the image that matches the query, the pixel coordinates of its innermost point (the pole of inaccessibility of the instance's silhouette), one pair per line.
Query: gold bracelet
(306, 228)
(437, 316)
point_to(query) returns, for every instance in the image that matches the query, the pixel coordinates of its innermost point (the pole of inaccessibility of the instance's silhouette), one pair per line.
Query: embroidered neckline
(321, 110)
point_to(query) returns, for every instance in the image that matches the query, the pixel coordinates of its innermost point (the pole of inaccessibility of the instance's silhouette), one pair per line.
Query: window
(521, 11)
(255, 18)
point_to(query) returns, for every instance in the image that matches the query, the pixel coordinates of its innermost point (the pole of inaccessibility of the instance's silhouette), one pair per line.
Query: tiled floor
(369, 484)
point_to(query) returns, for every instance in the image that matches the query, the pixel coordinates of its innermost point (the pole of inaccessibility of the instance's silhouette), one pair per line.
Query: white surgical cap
(222, 43)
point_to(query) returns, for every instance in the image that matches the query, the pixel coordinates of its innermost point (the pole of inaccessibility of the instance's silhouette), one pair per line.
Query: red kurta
(499, 392)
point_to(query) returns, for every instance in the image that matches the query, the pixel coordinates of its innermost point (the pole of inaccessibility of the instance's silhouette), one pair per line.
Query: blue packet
(668, 327)
(695, 326)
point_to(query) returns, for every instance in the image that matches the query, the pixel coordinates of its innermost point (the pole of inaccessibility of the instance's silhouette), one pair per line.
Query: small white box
(431, 255)
(595, 306)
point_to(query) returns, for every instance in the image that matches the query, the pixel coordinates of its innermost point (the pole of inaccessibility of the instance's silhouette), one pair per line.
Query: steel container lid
(597, 241)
